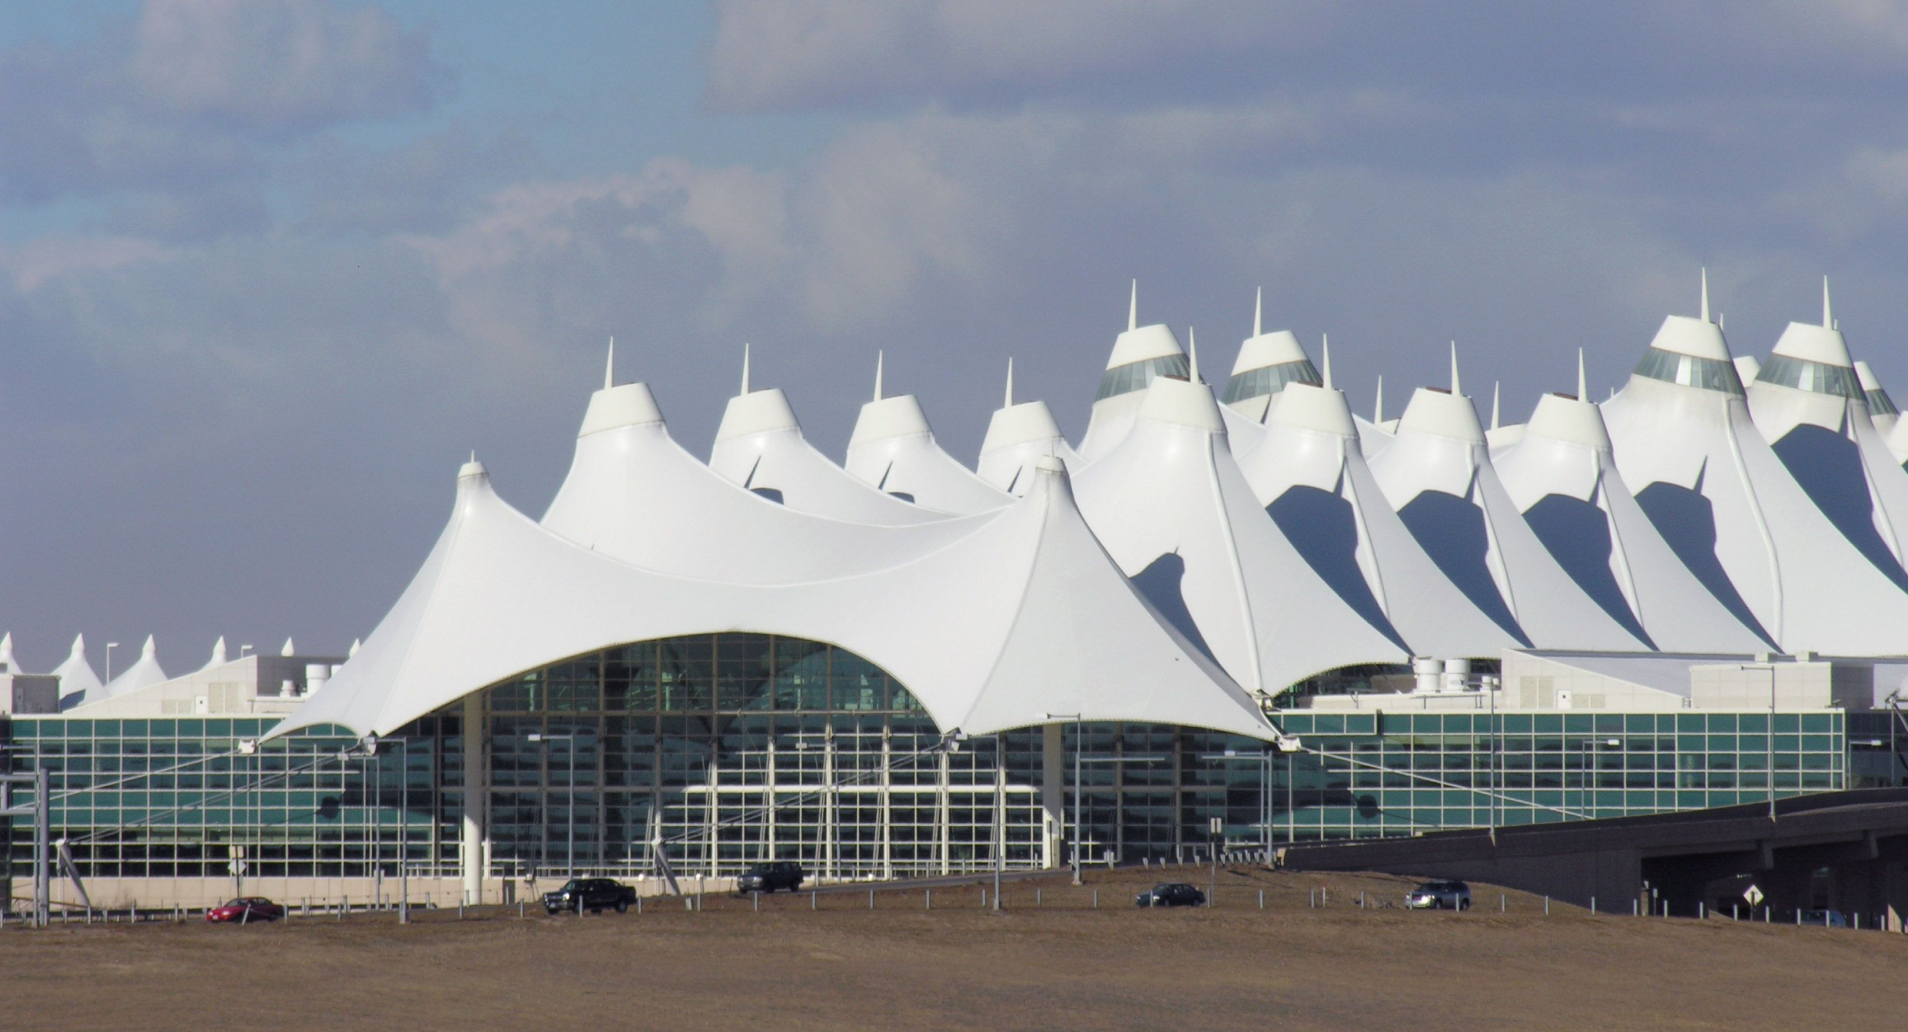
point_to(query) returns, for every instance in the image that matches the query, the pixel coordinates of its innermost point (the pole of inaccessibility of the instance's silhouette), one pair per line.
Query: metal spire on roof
(609, 368)
(1454, 372)
(1325, 354)
(1258, 313)
(1009, 400)
(1583, 388)
(1828, 317)
(745, 367)
(1192, 353)
(1705, 304)
(1132, 308)
(1378, 406)
(1497, 392)
(878, 358)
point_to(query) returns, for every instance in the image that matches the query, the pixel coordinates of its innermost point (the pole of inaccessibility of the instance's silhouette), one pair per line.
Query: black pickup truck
(592, 894)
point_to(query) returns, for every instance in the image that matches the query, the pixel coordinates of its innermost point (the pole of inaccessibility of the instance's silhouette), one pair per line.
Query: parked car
(245, 910)
(592, 894)
(1439, 895)
(781, 874)
(1825, 918)
(1171, 894)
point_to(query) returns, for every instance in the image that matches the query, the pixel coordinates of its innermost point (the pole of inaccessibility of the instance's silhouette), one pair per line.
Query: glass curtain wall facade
(716, 751)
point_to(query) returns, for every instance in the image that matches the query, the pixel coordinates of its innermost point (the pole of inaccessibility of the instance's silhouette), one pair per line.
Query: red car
(245, 910)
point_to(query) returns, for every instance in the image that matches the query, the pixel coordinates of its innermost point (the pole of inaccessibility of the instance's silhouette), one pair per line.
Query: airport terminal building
(1255, 608)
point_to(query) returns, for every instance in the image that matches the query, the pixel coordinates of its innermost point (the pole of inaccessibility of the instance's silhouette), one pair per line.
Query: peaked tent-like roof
(633, 493)
(144, 673)
(77, 679)
(1309, 471)
(1686, 445)
(1171, 506)
(760, 447)
(1140, 355)
(1438, 476)
(1563, 478)
(1021, 617)
(893, 449)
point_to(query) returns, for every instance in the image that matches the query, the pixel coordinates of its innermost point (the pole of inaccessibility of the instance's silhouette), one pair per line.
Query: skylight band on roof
(1804, 375)
(1880, 404)
(1134, 376)
(1254, 383)
(1707, 373)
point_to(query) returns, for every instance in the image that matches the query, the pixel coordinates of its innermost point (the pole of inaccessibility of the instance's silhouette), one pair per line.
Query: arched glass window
(1710, 374)
(1254, 383)
(1134, 376)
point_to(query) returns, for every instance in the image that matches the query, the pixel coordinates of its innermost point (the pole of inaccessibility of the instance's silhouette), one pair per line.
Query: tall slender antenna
(1192, 352)
(1454, 375)
(1497, 392)
(1705, 305)
(1378, 406)
(745, 367)
(1828, 317)
(1258, 313)
(1132, 308)
(1325, 354)
(1009, 401)
(1583, 386)
(878, 358)
(609, 368)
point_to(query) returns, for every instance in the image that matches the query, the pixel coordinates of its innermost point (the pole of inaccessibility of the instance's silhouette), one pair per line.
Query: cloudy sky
(269, 269)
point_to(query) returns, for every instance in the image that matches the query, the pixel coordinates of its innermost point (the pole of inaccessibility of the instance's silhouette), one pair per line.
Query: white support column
(942, 847)
(1053, 791)
(471, 849)
(887, 807)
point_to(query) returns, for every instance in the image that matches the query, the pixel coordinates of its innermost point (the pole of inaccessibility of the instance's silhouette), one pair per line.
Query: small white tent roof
(1729, 507)
(1563, 478)
(1139, 356)
(1437, 474)
(1022, 616)
(893, 450)
(144, 673)
(1019, 435)
(633, 493)
(1174, 511)
(76, 675)
(1310, 473)
(759, 446)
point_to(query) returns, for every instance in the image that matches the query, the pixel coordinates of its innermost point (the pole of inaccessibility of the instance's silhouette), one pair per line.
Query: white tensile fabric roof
(144, 673)
(760, 447)
(77, 679)
(1013, 616)
(1173, 509)
(893, 450)
(1308, 469)
(1563, 477)
(1733, 512)
(1437, 475)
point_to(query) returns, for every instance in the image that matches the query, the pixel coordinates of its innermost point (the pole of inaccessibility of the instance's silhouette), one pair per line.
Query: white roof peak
(1583, 390)
(745, 367)
(1258, 313)
(1184, 402)
(6, 653)
(629, 404)
(1007, 400)
(1704, 306)
(1683, 335)
(288, 649)
(1828, 315)
(1192, 355)
(1497, 397)
(609, 366)
(356, 644)
(473, 468)
(1325, 354)
(879, 356)
(1455, 389)
(1866, 376)
(1132, 308)
(1378, 403)
(218, 654)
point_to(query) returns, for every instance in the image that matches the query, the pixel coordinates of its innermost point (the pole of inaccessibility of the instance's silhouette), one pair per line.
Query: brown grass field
(1058, 965)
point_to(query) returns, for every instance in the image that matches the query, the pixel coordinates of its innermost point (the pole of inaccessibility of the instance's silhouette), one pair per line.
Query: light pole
(570, 810)
(110, 646)
(1079, 746)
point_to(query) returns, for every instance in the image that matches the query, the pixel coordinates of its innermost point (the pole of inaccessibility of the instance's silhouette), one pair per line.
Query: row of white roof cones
(76, 671)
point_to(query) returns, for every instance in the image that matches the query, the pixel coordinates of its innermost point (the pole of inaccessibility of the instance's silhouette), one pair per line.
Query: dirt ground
(1058, 964)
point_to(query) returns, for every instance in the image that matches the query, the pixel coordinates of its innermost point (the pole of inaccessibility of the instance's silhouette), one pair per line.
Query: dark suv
(591, 894)
(1174, 894)
(782, 874)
